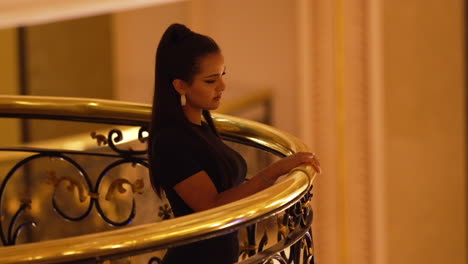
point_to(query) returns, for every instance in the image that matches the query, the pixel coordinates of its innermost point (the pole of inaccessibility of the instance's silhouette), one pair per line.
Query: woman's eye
(210, 81)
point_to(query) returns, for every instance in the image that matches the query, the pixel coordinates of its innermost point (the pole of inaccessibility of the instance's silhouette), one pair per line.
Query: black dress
(178, 154)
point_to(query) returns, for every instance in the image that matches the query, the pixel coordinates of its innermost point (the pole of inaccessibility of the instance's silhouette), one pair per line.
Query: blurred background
(376, 88)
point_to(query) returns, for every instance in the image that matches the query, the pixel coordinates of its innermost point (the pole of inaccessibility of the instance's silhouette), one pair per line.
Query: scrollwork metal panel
(96, 185)
(70, 183)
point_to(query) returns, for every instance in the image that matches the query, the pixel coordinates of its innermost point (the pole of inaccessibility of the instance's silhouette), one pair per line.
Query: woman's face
(204, 93)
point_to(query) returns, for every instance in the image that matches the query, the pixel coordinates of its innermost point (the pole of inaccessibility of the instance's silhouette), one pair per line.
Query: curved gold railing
(132, 240)
(262, 97)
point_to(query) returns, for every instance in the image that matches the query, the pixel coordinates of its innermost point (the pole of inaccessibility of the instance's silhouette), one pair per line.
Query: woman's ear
(180, 86)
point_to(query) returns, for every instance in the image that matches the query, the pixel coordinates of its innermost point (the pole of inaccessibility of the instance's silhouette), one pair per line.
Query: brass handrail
(132, 240)
(78, 109)
(253, 99)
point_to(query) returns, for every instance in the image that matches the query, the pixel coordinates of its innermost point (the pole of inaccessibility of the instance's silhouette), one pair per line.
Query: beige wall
(388, 85)
(9, 83)
(136, 35)
(341, 123)
(258, 39)
(425, 126)
(69, 58)
(9, 65)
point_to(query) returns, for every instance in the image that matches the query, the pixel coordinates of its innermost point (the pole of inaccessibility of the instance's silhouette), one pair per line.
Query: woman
(189, 161)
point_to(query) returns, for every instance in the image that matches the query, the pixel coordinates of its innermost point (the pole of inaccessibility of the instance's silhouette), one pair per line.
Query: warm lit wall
(9, 82)
(258, 39)
(9, 65)
(136, 34)
(425, 127)
(68, 58)
(342, 120)
(390, 126)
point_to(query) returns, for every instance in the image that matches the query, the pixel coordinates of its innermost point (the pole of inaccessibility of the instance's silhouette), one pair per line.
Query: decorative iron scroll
(87, 194)
(293, 234)
(288, 240)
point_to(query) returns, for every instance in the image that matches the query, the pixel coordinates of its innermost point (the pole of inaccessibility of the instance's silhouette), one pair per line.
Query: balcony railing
(81, 198)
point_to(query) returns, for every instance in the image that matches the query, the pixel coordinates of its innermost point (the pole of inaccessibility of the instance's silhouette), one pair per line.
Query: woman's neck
(193, 115)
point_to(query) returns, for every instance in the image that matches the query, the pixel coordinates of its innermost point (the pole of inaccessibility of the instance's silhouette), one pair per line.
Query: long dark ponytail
(177, 57)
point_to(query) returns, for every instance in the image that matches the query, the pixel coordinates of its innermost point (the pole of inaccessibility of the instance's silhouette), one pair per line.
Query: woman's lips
(217, 98)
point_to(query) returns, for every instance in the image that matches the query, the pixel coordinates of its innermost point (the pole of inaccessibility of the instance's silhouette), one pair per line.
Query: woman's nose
(222, 86)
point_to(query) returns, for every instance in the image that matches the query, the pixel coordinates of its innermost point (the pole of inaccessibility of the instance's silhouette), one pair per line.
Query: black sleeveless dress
(178, 154)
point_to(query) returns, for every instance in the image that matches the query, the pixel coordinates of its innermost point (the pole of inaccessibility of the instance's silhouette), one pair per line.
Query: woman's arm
(199, 192)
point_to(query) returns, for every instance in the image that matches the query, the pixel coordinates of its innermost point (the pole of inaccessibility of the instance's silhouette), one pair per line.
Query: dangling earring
(183, 100)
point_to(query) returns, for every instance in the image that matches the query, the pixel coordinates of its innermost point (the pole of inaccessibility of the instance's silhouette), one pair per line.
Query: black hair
(178, 56)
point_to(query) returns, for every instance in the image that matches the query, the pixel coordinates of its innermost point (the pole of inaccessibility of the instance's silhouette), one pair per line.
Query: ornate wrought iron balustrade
(102, 184)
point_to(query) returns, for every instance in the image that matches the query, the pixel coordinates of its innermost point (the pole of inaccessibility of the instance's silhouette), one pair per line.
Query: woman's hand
(288, 163)
(200, 193)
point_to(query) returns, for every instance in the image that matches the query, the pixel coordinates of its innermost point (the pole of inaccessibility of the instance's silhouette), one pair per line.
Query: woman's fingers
(286, 164)
(312, 160)
(317, 167)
